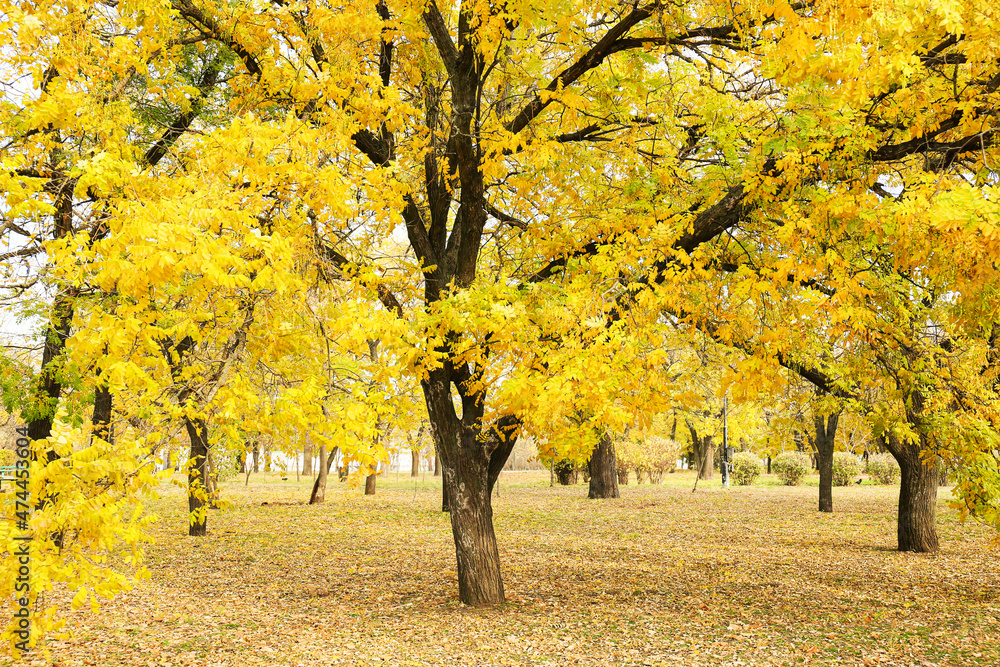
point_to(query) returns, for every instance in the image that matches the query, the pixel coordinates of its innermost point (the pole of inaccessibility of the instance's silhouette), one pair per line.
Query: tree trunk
(307, 457)
(370, 483)
(319, 486)
(706, 466)
(256, 456)
(917, 521)
(826, 431)
(437, 466)
(603, 470)
(197, 489)
(415, 462)
(470, 466)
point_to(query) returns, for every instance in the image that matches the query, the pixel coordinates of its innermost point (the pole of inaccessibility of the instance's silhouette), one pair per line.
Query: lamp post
(725, 441)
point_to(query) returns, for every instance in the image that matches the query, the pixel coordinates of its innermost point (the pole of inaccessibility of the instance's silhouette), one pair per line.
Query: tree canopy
(522, 206)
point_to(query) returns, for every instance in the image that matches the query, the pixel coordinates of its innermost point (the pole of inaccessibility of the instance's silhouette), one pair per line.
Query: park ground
(745, 576)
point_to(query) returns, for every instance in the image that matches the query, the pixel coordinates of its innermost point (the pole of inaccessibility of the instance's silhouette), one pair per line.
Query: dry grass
(748, 576)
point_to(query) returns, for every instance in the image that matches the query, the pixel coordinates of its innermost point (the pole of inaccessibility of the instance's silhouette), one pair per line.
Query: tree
(739, 166)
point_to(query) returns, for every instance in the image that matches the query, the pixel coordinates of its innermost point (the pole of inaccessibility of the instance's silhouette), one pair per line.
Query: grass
(745, 576)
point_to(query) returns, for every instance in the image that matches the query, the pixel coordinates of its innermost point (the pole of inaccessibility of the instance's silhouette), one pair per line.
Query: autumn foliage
(238, 227)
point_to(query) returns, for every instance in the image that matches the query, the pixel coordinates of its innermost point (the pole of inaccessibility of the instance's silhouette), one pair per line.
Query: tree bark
(603, 470)
(471, 462)
(415, 462)
(197, 489)
(319, 486)
(706, 466)
(256, 456)
(307, 457)
(826, 431)
(916, 528)
(370, 483)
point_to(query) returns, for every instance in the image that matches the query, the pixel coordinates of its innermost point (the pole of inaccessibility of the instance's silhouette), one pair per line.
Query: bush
(791, 467)
(846, 468)
(746, 468)
(883, 468)
(650, 456)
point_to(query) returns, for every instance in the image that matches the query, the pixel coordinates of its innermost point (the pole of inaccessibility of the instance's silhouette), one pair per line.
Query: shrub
(650, 456)
(746, 468)
(846, 468)
(791, 467)
(883, 468)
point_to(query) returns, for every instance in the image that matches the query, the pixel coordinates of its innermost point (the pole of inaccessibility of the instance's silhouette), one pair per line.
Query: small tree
(883, 468)
(746, 468)
(791, 467)
(846, 467)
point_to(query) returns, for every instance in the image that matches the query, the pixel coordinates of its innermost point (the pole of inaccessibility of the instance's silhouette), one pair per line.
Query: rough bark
(307, 457)
(370, 484)
(471, 462)
(603, 470)
(197, 489)
(318, 494)
(706, 452)
(415, 462)
(702, 451)
(256, 456)
(826, 430)
(916, 527)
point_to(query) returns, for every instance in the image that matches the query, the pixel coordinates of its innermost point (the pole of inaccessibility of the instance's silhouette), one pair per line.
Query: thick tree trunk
(307, 457)
(603, 470)
(370, 484)
(319, 486)
(415, 462)
(197, 489)
(826, 431)
(706, 466)
(437, 466)
(917, 521)
(470, 465)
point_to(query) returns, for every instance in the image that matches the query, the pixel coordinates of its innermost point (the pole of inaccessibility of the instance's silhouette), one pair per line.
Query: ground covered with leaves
(744, 576)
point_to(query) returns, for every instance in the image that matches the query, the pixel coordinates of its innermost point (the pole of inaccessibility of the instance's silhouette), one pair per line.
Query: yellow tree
(564, 173)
